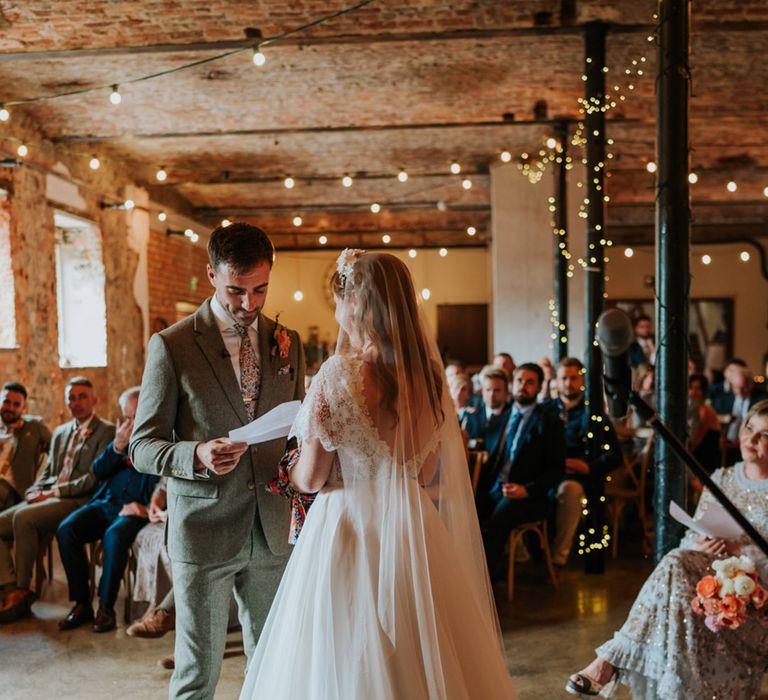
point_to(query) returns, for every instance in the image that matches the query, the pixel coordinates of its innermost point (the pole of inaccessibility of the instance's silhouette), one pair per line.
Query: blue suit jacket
(722, 402)
(120, 482)
(487, 431)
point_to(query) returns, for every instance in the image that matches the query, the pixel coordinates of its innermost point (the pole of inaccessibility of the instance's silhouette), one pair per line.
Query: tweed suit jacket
(82, 481)
(28, 444)
(190, 394)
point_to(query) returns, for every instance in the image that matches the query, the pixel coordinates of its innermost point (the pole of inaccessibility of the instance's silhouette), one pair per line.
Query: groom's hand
(219, 456)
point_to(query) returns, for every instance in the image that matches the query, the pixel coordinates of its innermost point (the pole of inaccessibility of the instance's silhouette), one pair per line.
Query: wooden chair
(477, 461)
(96, 558)
(627, 486)
(540, 528)
(45, 546)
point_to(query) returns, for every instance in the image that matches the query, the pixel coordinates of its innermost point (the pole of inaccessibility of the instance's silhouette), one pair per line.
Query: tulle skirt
(332, 635)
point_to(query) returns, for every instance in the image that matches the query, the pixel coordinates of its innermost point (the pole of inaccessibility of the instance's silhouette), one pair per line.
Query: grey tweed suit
(223, 532)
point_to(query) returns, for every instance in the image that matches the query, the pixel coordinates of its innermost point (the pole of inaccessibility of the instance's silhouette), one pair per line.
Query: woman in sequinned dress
(664, 650)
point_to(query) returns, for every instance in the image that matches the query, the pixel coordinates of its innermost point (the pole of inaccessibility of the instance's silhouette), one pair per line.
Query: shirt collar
(525, 410)
(83, 427)
(224, 320)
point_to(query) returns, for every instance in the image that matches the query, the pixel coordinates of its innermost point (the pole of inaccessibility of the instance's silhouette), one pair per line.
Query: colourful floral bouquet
(727, 598)
(281, 486)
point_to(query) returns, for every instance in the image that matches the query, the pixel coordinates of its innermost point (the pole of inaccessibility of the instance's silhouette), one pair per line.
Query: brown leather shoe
(168, 662)
(80, 614)
(105, 621)
(154, 624)
(18, 604)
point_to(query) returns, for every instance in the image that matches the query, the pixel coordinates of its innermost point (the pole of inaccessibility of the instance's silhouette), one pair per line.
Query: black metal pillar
(594, 542)
(561, 244)
(673, 236)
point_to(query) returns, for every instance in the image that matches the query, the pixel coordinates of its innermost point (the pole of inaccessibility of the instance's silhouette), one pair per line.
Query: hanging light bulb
(471, 230)
(115, 97)
(161, 175)
(298, 295)
(402, 175)
(297, 221)
(289, 183)
(505, 156)
(386, 238)
(129, 204)
(5, 115)
(706, 259)
(744, 256)
(412, 253)
(194, 238)
(322, 240)
(94, 163)
(650, 166)
(259, 59)
(628, 252)
(731, 186)
(443, 252)
(22, 150)
(375, 207)
(225, 223)
(765, 192)
(189, 232)
(693, 178)
(455, 168)
(466, 183)
(346, 181)
(425, 294)
(162, 216)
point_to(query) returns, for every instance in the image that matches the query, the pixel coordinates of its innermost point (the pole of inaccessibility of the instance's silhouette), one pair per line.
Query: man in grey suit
(214, 371)
(64, 486)
(24, 441)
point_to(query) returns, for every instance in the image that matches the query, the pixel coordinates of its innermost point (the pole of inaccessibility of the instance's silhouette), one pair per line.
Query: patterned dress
(663, 649)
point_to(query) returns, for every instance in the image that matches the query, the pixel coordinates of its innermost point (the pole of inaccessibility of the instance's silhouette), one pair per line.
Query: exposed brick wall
(174, 263)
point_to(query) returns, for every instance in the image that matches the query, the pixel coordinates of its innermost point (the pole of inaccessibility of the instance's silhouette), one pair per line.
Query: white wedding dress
(385, 596)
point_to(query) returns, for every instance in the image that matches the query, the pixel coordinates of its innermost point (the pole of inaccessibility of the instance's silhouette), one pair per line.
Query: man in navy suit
(115, 514)
(486, 424)
(643, 348)
(529, 461)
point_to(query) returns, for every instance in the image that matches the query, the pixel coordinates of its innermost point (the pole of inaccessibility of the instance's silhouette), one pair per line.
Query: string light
(471, 230)
(189, 232)
(375, 207)
(94, 163)
(706, 259)
(731, 186)
(162, 216)
(466, 183)
(161, 175)
(346, 181)
(225, 223)
(322, 240)
(22, 150)
(628, 252)
(443, 252)
(194, 238)
(297, 221)
(650, 166)
(259, 59)
(455, 168)
(505, 156)
(744, 256)
(693, 178)
(289, 183)
(402, 175)
(298, 295)
(412, 253)
(115, 97)
(386, 238)
(551, 142)
(425, 294)
(129, 204)
(5, 115)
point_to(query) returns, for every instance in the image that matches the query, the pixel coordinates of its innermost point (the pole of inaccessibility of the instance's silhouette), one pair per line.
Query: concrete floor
(548, 634)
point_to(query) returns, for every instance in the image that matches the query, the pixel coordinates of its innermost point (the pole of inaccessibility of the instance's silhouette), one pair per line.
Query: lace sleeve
(690, 537)
(315, 418)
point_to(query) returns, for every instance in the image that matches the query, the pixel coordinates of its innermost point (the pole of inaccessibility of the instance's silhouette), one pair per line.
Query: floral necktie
(249, 371)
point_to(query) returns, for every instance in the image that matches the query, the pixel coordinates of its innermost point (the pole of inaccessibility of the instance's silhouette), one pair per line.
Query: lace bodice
(335, 413)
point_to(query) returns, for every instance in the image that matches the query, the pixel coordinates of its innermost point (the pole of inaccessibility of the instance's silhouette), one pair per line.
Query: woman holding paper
(664, 650)
(386, 596)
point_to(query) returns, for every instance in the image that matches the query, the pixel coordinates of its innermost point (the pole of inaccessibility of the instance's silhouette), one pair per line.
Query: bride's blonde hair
(384, 310)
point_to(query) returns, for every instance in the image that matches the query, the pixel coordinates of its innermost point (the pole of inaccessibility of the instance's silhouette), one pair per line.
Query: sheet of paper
(272, 425)
(716, 522)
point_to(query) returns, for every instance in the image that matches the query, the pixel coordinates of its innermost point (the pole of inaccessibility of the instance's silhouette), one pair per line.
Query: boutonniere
(87, 433)
(281, 341)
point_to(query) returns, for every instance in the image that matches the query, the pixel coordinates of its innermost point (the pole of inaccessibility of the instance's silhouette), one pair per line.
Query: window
(80, 293)
(7, 290)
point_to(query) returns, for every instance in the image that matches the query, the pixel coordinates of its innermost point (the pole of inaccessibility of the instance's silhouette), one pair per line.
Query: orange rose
(731, 605)
(696, 606)
(711, 606)
(731, 621)
(708, 587)
(759, 597)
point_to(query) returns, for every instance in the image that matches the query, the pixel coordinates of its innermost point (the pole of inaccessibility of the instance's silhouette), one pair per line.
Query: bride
(386, 595)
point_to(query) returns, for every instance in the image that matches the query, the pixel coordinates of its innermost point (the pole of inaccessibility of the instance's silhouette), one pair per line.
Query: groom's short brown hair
(241, 246)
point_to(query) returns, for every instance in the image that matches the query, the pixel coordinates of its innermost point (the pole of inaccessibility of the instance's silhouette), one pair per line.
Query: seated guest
(721, 386)
(64, 486)
(703, 425)
(23, 442)
(664, 650)
(643, 348)
(115, 513)
(460, 389)
(741, 395)
(527, 463)
(585, 471)
(487, 423)
(503, 360)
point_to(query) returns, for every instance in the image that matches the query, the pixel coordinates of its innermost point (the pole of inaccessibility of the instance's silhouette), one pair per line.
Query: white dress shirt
(231, 337)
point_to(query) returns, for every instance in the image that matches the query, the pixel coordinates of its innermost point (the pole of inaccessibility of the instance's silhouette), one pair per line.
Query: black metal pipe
(560, 235)
(673, 238)
(594, 133)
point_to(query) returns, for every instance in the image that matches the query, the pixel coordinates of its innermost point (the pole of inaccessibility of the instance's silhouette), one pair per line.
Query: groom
(214, 371)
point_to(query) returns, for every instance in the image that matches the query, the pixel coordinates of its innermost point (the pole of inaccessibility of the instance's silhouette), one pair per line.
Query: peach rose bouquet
(727, 597)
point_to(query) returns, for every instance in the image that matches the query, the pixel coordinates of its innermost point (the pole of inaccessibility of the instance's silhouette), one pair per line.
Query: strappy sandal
(584, 686)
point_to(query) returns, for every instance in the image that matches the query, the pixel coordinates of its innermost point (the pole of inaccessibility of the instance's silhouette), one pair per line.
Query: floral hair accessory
(347, 258)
